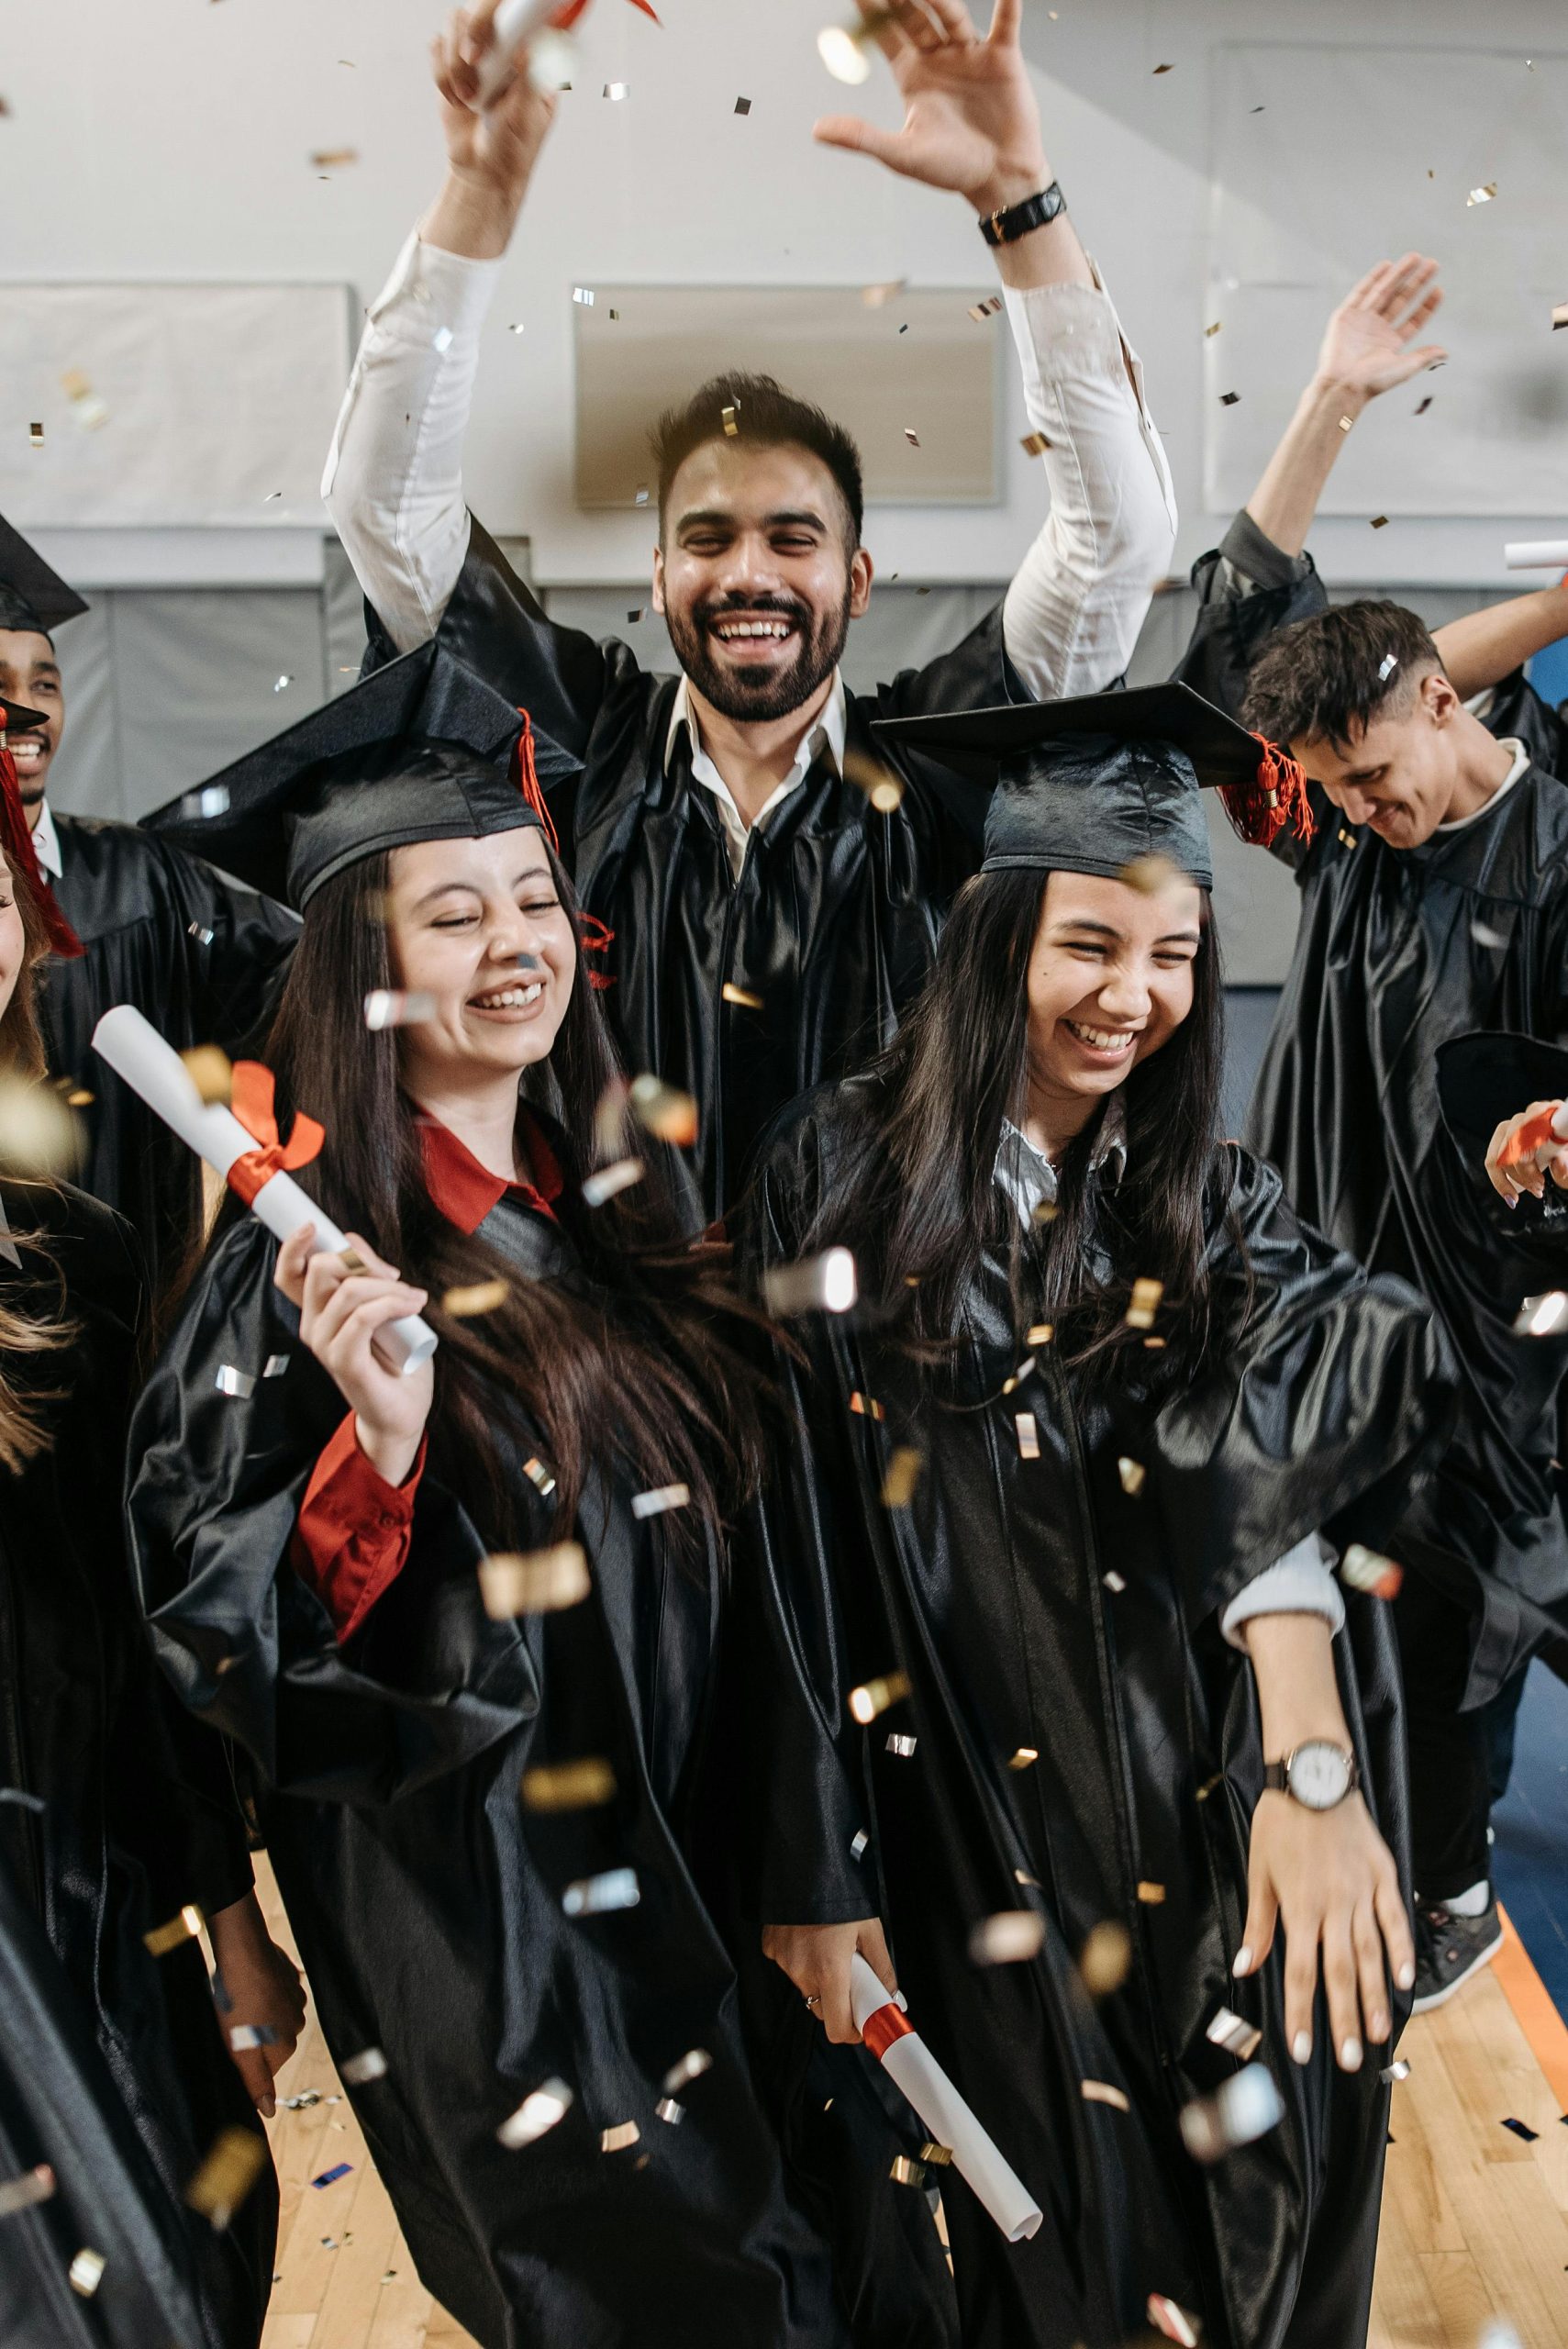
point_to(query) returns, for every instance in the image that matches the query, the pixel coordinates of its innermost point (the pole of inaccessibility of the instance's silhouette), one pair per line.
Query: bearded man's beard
(819, 646)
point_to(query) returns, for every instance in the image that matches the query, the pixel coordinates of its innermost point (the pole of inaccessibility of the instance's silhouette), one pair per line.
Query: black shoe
(1449, 1949)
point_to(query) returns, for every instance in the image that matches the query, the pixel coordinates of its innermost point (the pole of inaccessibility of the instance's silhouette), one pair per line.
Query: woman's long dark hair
(917, 1197)
(636, 1356)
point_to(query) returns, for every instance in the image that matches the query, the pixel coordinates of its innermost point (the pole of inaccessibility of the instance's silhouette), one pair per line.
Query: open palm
(972, 124)
(1369, 344)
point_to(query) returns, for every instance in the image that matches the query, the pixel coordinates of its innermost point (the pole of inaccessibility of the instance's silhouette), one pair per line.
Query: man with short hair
(774, 895)
(1434, 901)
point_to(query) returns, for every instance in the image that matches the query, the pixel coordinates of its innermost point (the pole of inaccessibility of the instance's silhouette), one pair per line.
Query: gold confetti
(86, 2273)
(1152, 875)
(1208, 1787)
(182, 1928)
(731, 426)
(1367, 1570)
(865, 1408)
(211, 1072)
(79, 1099)
(1007, 1938)
(665, 1112)
(742, 995)
(605, 1182)
(569, 1786)
(1152, 1894)
(533, 1582)
(1347, 840)
(232, 2165)
(37, 1132)
(1132, 1476)
(87, 410)
(1023, 1370)
(1164, 69)
(335, 159)
(939, 2156)
(1347, 423)
(538, 2111)
(1025, 1757)
(467, 1302)
(903, 1476)
(876, 297)
(616, 2139)
(1104, 1959)
(1104, 2092)
(1482, 194)
(905, 2172)
(1039, 1334)
(1034, 444)
(1379, 522)
(1146, 1296)
(881, 786)
(1047, 1211)
(1209, 332)
(34, 434)
(539, 1476)
(22, 2193)
(876, 1695)
(1559, 316)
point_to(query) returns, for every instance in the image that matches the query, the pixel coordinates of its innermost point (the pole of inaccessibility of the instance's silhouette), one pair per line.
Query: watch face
(1319, 1776)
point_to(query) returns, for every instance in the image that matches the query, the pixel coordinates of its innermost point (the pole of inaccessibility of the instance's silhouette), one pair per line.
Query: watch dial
(1318, 1775)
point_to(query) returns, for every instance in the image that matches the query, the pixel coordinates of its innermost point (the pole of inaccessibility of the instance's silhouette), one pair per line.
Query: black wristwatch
(1006, 227)
(1318, 1775)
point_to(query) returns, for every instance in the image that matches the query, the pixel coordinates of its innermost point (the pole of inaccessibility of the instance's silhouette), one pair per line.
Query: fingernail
(1351, 2056)
(1301, 2047)
(1243, 1962)
(1405, 1975)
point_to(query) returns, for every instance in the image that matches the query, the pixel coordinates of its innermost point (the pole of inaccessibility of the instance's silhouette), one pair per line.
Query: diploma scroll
(1539, 1138)
(904, 2055)
(1535, 554)
(136, 1051)
(516, 22)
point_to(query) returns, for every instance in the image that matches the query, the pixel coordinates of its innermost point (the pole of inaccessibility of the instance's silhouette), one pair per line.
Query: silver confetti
(901, 1745)
(358, 2069)
(1003, 1939)
(238, 1382)
(538, 2112)
(1543, 1315)
(211, 799)
(1245, 2109)
(692, 2066)
(390, 1008)
(590, 1896)
(824, 1284)
(666, 1496)
(21, 2193)
(608, 1180)
(667, 2110)
(857, 1842)
(1234, 2033)
(1398, 2070)
(274, 1365)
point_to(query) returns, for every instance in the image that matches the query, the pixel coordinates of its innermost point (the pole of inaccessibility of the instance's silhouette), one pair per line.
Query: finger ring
(814, 2000)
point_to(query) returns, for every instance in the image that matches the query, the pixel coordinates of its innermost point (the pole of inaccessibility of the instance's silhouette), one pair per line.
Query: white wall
(171, 139)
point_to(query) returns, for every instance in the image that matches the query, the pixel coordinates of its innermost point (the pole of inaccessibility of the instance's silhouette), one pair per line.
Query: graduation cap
(421, 750)
(16, 834)
(1096, 784)
(32, 596)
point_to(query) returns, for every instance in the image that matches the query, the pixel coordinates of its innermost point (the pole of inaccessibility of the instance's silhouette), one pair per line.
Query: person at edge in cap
(1434, 902)
(1169, 1730)
(770, 923)
(1260, 577)
(117, 1809)
(478, 1825)
(151, 926)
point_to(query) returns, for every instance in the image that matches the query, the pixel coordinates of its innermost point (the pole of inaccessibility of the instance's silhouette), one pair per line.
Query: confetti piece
(1153, 876)
(1039, 1334)
(1152, 1894)
(857, 1842)
(1367, 1570)
(610, 1180)
(742, 995)
(667, 2110)
(211, 799)
(616, 2139)
(280, 684)
(881, 786)
(742, 105)
(533, 1582)
(182, 1928)
(538, 2111)
(911, 436)
(1104, 1958)
(1482, 194)
(643, 495)
(469, 1301)
(1398, 2070)
(1425, 405)
(826, 1284)
(1522, 2129)
(660, 1500)
(1498, 2333)
(731, 425)
(87, 410)
(842, 54)
(1172, 2321)
(597, 1896)
(1010, 1935)
(569, 1786)
(1024, 1758)
(1146, 1296)
(903, 1476)
(1485, 935)
(1132, 1476)
(1386, 666)
(210, 1071)
(335, 159)
(1379, 522)
(198, 930)
(876, 1695)
(230, 2169)
(905, 2172)
(86, 2273)
(1244, 2110)
(1034, 444)
(1028, 1434)
(690, 2067)
(21, 2193)
(301, 2102)
(981, 311)
(1114, 1583)
(615, 91)
(34, 434)
(635, 615)
(865, 1406)
(1024, 1370)
(1347, 840)
(1210, 332)
(539, 1476)
(519, 328)
(902, 1747)
(1559, 316)
(237, 1383)
(330, 2177)
(359, 2070)
(1235, 2034)
(663, 1110)
(390, 1008)
(876, 297)
(1104, 2092)
(1229, 399)
(583, 294)
(1543, 1315)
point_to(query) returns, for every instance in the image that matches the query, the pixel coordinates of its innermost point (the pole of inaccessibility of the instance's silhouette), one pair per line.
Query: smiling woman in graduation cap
(478, 1780)
(1051, 1525)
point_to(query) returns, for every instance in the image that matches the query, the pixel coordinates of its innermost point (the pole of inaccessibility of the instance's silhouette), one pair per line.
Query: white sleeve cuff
(1300, 1583)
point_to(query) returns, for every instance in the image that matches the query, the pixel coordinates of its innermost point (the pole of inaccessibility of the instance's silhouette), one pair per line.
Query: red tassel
(527, 780)
(567, 15)
(1276, 796)
(22, 857)
(596, 938)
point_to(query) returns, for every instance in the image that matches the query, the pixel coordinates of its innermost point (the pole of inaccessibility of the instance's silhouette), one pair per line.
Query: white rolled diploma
(905, 2058)
(516, 22)
(1535, 554)
(135, 1051)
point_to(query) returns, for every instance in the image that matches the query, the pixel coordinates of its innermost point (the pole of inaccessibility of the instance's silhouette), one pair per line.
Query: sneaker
(1449, 1949)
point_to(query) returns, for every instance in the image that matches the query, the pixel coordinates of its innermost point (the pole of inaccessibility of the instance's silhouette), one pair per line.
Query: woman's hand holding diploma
(817, 1959)
(1327, 1876)
(1518, 1161)
(339, 1314)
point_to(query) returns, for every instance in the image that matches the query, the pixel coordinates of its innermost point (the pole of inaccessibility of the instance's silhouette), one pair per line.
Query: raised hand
(496, 148)
(973, 123)
(1527, 1174)
(1368, 342)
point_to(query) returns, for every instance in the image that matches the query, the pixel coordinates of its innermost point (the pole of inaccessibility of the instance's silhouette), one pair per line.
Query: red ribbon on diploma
(880, 2030)
(567, 15)
(1534, 1134)
(252, 1102)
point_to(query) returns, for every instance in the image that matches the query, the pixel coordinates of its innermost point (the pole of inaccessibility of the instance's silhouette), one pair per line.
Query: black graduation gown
(202, 958)
(1397, 951)
(833, 922)
(138, 1816)
(427, 1900)
(987, 1591)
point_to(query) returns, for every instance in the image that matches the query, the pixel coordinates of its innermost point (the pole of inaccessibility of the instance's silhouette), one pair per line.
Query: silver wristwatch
(1318, 1775)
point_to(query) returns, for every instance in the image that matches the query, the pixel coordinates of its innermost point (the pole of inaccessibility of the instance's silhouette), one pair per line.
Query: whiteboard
(1328, 159)
(169, 405)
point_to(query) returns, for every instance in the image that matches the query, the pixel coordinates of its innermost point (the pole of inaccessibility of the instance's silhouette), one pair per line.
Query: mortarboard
(32, 596)
(1097, 784)
(421, 750)
(15, 836)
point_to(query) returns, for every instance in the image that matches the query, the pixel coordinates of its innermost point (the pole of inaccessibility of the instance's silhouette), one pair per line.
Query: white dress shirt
(393, 478)
(1300, 1582)
(824, 739)
(46, 842)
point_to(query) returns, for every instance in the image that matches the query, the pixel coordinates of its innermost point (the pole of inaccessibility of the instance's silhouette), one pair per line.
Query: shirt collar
(46, 842)
(1027, 1176)
(465, 1192)
(1459, 823)
(827, 732)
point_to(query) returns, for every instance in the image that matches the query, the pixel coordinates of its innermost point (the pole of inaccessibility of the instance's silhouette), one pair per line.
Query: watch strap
(1019, 219)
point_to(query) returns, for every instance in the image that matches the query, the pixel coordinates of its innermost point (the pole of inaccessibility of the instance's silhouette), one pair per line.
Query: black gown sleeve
(237, 944)
(1248, 589)
(1326, 1396)
(216, 1480)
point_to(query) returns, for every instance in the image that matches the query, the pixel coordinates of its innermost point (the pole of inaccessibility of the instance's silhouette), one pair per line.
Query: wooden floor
(1475, 2226)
